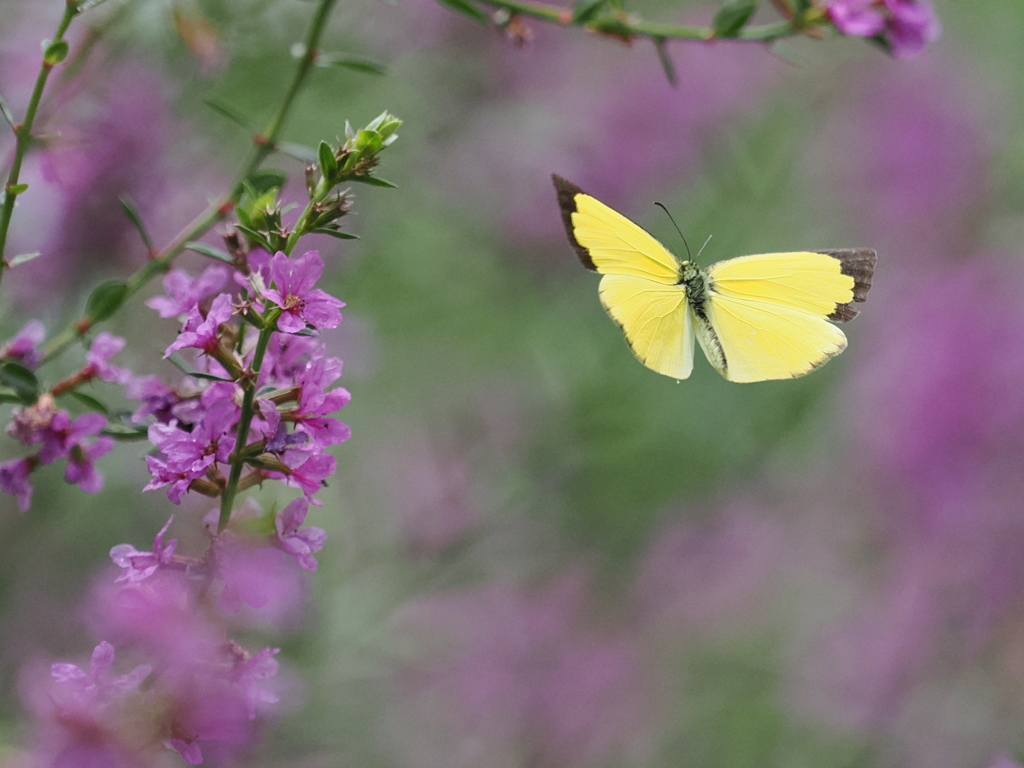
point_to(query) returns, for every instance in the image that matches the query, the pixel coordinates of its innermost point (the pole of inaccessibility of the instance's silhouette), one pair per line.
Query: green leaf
(209, 251)
(585, 10)
(8, 395)
(21, 380)
(125, 432)
(373, 181)
(7, 112)
(54, 53)
(355, 63)
(666, 61)
(105, 300)
(254, 237)
(21, 258)
(802, 6)
(263, 180)
(328, 162)
(299, 152)
(610, 25)
(369, 142)
(135, 218)
(466, 9)
(732, 17)
(385, 124)
(333, 233)
(229, 113)
(175, 360)
(17, 189)
(89, 402)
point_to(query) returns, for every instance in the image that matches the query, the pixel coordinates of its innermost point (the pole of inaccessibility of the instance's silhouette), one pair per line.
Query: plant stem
(628, 25)
(23, 132)
(263, 146)
(227, 499)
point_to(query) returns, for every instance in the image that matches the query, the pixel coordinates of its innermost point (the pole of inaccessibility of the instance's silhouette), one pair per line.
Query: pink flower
(22, 347)
(62, 435)
(81, 467)
(307, 472)
(300, 544)
(185, 292)
(906, 25)
(85, 716)
(295, 294)
(104, 347)
(201, 332)
(14, 480)
(141, 565)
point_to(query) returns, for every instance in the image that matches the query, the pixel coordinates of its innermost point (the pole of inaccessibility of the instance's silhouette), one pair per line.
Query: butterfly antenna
(704, 246)
(688, 254)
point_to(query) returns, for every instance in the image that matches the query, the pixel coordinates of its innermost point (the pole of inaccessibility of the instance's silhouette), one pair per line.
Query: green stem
(227, 499)
(23, 132)
(218, 209)
(627, 25)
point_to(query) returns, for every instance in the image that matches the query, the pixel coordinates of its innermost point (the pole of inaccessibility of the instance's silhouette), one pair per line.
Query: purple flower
(90, 687)
(104, 347)
(14, 480)
(295, 294)
(141, 565)
(185, 292)
(300, 544)
(259, 576)
(207, 690)
(157, 398)
(29, 423)
(512, 664)
(81, 468)
(249, 675)
(911, 26)
(287, 356)
(179, 482)
(201, 332)
(62, 435)
(22, 346)
(86, 717)
(860, 18)
(194, 452)
(307, 472)
(907, 25)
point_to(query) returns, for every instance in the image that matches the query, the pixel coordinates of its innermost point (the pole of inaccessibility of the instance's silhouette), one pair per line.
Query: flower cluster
(42, 423)
(905, 26)
(257, 400)
(260, 389)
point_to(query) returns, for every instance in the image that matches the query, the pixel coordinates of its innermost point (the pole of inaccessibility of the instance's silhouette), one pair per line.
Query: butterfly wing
(640, 288)
(766, 316)
(608, 242)
(656, 321)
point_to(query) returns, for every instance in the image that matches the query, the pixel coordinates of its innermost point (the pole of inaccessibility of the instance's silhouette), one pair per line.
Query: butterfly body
(755, 317)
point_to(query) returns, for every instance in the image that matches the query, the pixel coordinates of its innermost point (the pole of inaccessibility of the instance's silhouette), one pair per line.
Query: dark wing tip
(567, 192)
(858, 263)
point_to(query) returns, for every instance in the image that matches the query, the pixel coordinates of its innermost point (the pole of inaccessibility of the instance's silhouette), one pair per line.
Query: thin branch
(628, 26)
(263, 146)
(23, 130)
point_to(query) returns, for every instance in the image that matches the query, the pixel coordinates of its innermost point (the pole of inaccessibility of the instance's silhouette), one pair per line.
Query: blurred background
(541, 553)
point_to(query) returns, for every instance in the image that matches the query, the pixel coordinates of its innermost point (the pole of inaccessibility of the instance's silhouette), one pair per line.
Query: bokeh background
(541, 553)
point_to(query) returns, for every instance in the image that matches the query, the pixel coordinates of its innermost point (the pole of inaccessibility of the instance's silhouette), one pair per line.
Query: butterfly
(756, 317)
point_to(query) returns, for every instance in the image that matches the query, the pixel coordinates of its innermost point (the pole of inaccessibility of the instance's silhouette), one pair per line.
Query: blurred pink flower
(513, 670)
(85, 717)
(907, 26)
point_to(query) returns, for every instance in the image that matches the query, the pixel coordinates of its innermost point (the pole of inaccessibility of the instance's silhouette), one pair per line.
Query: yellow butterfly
(756, 317)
